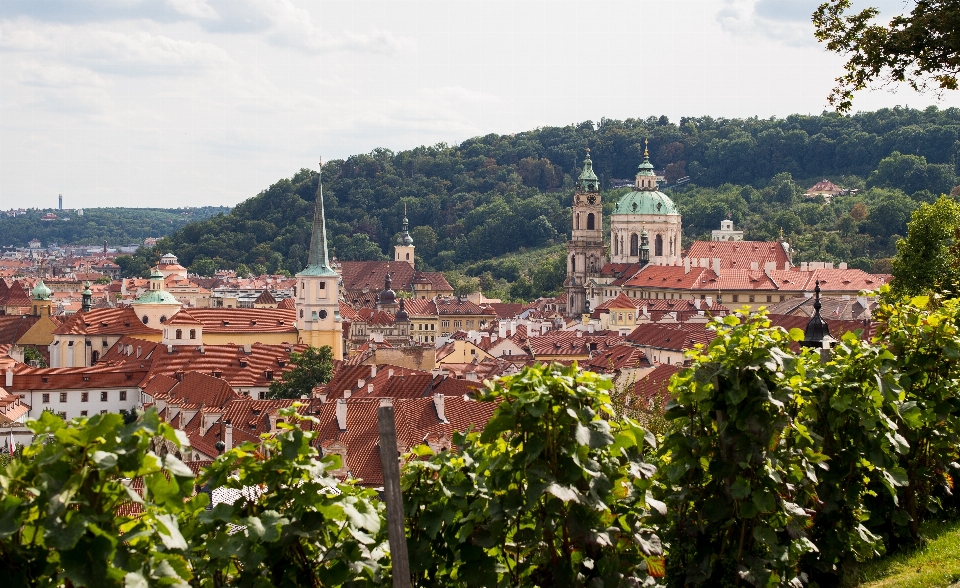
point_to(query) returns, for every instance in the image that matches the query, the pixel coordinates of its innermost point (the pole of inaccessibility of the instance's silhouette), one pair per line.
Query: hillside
(116, 226)
(495, 195)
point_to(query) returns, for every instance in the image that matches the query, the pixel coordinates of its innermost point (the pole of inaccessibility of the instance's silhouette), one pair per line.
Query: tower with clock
(586, 253)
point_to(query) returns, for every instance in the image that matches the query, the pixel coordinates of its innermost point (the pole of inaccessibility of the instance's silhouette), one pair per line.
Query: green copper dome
(645, 202)
(41, 292)
(156, 297)
(588, 180)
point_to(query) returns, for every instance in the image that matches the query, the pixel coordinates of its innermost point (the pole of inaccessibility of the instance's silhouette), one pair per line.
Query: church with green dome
(645, 208)
(645, 227)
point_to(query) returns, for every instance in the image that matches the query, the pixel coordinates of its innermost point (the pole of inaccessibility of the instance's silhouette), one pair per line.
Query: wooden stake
(389, 458)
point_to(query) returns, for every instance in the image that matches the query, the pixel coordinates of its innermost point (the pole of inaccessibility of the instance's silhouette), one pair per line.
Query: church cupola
(41, 302)
(588, 182)
(646, 177)
(318, 292)
(86, 298)
(404, 249)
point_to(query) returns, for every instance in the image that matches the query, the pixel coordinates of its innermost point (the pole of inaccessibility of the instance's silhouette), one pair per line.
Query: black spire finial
(817, 329)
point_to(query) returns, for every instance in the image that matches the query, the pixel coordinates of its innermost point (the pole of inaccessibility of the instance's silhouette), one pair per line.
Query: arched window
(573, 263)
(634, 245)
(578, 222)
(179, 334)
(616, 249)
(94, 357)
(591, 222)
(301, 313)
(146, 319)
(193, 333)
(658, 250)
(163, 319)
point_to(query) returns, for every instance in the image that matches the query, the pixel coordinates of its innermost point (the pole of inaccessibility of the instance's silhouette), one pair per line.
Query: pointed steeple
(405, 238)
(817, 333)
(588, 181)
(318, 263)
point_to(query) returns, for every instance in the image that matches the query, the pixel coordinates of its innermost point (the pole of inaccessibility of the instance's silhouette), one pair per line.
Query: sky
(170, 103)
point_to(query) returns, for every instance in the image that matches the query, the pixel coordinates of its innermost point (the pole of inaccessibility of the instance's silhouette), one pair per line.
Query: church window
(193, 333)
(301, 313)
(179, 334)
(634, 245)
(313, 315)
(323, 314)
(591, 221)
(408, 257)
(146, 319)
(578, 222)
(323, 285)
(573, 263)
(94, 357)
(659, 246)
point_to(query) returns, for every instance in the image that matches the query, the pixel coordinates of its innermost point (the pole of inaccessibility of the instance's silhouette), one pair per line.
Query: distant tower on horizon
(61, 201)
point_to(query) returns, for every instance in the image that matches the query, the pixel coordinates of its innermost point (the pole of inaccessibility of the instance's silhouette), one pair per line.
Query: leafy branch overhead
(921, 48)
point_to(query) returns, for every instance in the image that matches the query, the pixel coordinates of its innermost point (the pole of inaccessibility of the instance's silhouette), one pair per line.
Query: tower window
(659, 246)
(635, 245)
(591, 222)
(408, 257)
(323, 285)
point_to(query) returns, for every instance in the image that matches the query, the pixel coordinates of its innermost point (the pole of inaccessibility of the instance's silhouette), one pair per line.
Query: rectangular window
(103, 412)
(751, 298)
(469, 323)
(444, 324)
(769, 298)
(62, 414)
(782, 298)
(63, 397)
(263, 395)
(123, 395)
(83, 413)
(103, 397)
(84, 396)
(46, 398)
(323, 285)
(457, 323)
(736, 298)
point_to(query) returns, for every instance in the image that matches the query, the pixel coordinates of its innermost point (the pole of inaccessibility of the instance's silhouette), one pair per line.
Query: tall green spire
(318, 264)
(588, 181)
(645, 168)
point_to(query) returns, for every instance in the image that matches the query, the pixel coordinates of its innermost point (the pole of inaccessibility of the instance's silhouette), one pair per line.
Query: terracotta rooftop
(105, 321)
(740, 254)
(670, 277)
(246, 320)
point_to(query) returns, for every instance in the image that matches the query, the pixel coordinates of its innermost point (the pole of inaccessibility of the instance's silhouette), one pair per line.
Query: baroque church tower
(318, 292)
(586, 254)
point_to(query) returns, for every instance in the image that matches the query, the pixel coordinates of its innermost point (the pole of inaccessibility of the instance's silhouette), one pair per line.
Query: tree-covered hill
(498, 194)
(116, 226)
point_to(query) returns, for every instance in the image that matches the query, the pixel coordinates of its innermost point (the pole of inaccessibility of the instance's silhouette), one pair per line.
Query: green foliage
(96, 225)
(917, 48)
(33, 357)
(58, 519)
(312, 367)
(922, 333)
(850, 409)
(739, 479)
(552, 493)
(928, 259)
(294, 524)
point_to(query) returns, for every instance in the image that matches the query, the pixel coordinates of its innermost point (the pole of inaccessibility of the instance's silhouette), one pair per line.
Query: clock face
(592, 199)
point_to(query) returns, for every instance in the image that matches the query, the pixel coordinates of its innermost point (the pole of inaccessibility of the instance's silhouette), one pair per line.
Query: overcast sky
(206, 102)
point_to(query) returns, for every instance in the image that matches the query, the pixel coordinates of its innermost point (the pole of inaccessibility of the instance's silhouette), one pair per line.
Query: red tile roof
(739, 254)
(104, 321)
(676, 337)
(358, 275)
(246, 320)
(652, 390)
(670, 277)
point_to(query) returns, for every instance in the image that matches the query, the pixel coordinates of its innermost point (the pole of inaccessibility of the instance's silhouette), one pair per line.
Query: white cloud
(198, 9)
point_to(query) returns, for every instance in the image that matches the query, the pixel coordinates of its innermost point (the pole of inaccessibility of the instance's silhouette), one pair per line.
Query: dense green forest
(494, 196)
(116, 226)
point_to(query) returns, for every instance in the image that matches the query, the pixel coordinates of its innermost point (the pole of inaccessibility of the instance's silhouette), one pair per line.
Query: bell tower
(318, 289)
(586, 254)
(403, 250)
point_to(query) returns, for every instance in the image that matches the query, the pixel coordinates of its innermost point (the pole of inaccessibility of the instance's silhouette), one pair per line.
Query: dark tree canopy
(310, 368)
(921, 48)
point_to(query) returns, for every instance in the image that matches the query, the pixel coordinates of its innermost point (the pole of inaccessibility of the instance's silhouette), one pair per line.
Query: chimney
(804, 267)
(139, 351)
(360, 383)
(248, 349)
(347, 394)
(696, 303)
(390, 373)
(438, 405)
(590, 327)
(686, 265)
(342, 414)
(828, 265)
(9, 377)
(228, 437)
(169, 350)
(579, 334)
(786, 266)
(369, 388)
(201, 350)
(754, 266)
(502, 329)
(373, 371)
(323, 397)
(179, 375)
(842, 265)
(471, 377)
(770, 266)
